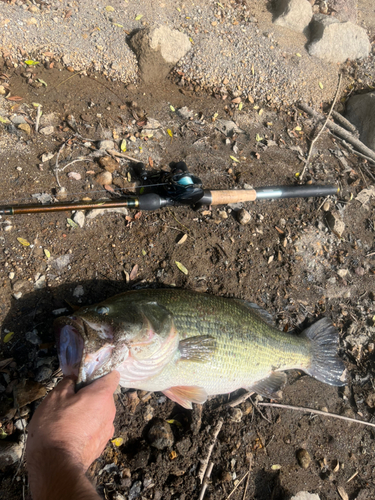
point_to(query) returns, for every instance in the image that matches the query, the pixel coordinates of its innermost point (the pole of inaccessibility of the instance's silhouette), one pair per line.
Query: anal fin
(186, 395)
(271, 386)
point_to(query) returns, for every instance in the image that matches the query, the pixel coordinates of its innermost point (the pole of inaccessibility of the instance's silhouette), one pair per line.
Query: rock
(335, 223)
(360, 111)
(304, 459)
(60, 262)
(79, 218)
(135, 490)
(33, 337)
(158, 49)
(294, 14)
(17, 120)
(343, 272)
(2, 90)
(185, 113)
(17, 295)
(101, 211)
(47, 130)
(44, 373)
(25, 127)
(78, 291)
(305, 495)
(336, 42)
(108, 164)
(152, 124)
(228, 127)
(236, 414)
(243, 216)
(345, 10)
(106, 145)
(148, 413)
(104, 178)
(10, 452)
(160, 434)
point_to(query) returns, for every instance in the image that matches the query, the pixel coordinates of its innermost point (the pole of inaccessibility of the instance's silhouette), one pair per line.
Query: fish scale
(191, 345)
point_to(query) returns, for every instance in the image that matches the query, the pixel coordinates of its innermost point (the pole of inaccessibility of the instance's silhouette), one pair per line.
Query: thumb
(107, 383)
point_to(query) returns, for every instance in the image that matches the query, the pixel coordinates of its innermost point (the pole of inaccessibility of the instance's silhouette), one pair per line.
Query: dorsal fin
(262, 313)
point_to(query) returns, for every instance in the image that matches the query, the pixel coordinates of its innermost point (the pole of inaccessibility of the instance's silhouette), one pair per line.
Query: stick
(321, 130)
(239, 400)
(341, 132)
(204, 463)
(248, 478)
(237, 485)
(205, 481)
(38, 115)
(344, 122)
(317, 412)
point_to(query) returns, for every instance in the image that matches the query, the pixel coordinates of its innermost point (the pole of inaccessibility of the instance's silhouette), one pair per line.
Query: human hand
(77, 425)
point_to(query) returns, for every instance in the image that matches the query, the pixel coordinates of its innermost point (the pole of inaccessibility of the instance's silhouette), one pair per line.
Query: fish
(191, 345)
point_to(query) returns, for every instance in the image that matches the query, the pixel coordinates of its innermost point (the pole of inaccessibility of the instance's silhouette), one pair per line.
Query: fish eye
(102, 310)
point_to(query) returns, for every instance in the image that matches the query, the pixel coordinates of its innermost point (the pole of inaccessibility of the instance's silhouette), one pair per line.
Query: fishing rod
(176, 188)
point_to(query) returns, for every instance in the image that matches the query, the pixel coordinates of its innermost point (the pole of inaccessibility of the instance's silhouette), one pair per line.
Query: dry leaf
(47, 253)
(15, 98)
(117, 441)
(23, 242)
(182, 239)
(8, 337)
(134, 273)
(169, 132)
(181, 267)
(342, 493)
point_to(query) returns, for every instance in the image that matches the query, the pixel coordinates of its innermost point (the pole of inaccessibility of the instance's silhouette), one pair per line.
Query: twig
(204, 463)
(321, 130)
(248, 478)
(362, 148)
(74, 161)
(239, 400)
(344, 122)
(38, 115)
(317, 412)
(205, 480)
(113, 152)
(237, 485)
(352, 477)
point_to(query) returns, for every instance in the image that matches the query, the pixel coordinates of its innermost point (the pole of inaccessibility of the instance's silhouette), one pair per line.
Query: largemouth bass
(190, 345)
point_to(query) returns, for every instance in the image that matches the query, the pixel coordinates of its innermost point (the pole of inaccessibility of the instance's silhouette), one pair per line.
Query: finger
(66, 386)
(105, 384)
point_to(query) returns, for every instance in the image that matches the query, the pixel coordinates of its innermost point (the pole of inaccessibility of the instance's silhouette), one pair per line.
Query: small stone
(17, 295)
(25, 127)
(305, 495)
(294, 14)
(2, 90)
(44, 373)
(108, 164)
(31, 21)
(33, 337)
(160, 434)
(34, 9)
(78, 291)
(335, 224)
(360, 271)
(135, 490)
(185, 113)
(343, 272)
(47, 130)
(243, 216)
(104, 178)
(236, 415)
(79, 218)
(106, 145)
(326, 206)
(148, 414)
(17, 120)
(304, 459)
(61, 194)
(223, 214)
(11, 275)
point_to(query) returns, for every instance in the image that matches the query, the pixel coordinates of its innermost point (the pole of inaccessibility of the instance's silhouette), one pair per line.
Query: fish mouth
(76, 359)
(70, 345)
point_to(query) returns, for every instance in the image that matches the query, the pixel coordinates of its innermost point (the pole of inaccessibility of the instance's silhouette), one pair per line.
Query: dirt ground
(286, 259)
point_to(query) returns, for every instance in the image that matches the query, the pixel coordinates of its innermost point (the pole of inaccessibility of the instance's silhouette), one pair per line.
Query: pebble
(78, 291)
(236, 415)
(148, 414)
(33, 337)
(106, 145)
(135, 490)
(343, 272)
(160, 435)
(11, 275)
(104, 178)
(304, 459)
(79, 218)
(47, 130)
(43, 374)
(17, 295)
(335, 223)
(243, 216)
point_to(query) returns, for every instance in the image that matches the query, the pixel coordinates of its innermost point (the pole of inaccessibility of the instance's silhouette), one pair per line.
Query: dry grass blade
(317, 412)
(237, 485)
(204, 464)
(205, 480)
(248, 477)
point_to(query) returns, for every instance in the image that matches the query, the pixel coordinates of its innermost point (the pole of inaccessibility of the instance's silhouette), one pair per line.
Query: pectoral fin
(199, 348)
(185, 395)
(271, 386)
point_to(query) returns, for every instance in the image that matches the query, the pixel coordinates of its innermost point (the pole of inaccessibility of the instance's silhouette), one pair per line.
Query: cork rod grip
(232, 196)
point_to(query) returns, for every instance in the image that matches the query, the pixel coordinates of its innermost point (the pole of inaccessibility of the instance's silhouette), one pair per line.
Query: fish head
(97, 339)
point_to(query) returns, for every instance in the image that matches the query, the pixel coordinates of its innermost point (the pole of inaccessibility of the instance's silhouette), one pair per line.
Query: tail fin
(326, 366)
